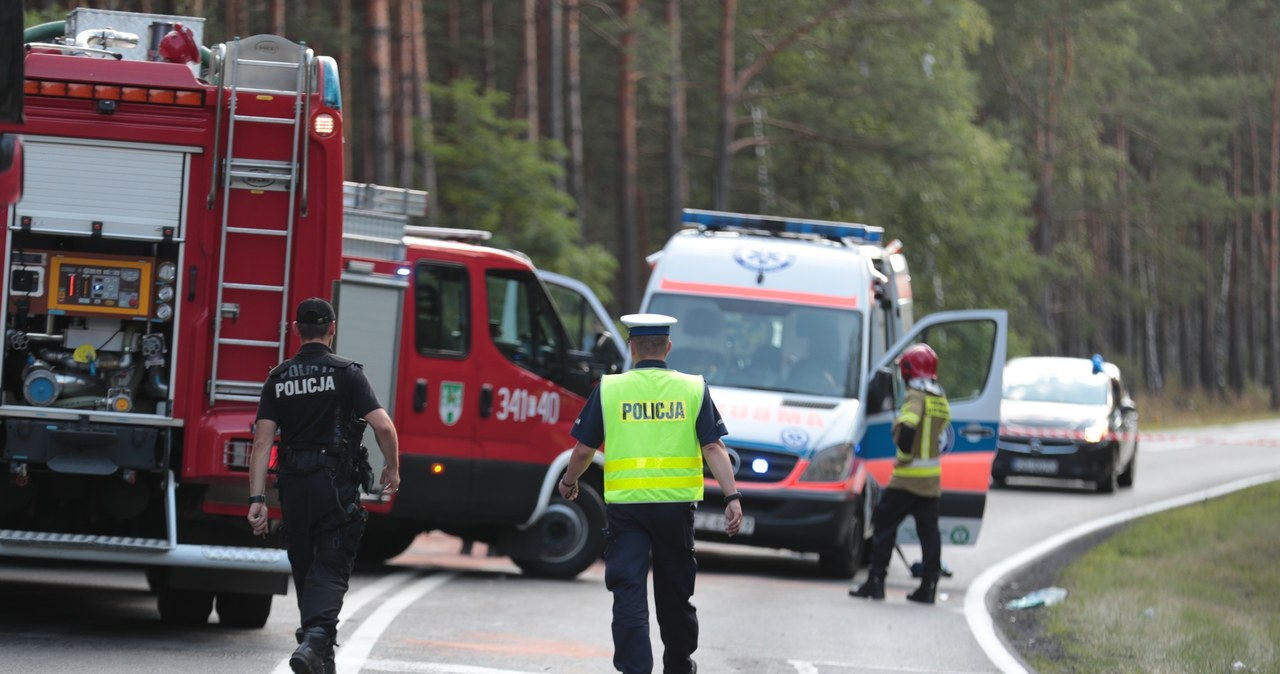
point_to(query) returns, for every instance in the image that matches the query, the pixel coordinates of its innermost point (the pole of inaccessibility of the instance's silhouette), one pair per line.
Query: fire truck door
(437, 392)
(971, 349)
(369, 329)
(537, 386)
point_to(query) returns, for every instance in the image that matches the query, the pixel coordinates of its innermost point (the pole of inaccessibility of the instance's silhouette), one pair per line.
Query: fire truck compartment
(82, 448)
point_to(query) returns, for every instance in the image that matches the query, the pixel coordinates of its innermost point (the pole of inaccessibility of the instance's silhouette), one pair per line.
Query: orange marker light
(437, 469)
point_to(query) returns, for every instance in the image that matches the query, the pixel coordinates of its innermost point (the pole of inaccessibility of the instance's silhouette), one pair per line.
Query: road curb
(975, 601)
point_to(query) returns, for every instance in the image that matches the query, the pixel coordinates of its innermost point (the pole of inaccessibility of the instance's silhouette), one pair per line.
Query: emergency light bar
(718, 220)
(111, 92)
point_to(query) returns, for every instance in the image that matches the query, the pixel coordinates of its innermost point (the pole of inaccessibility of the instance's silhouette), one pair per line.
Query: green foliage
(493, 178)
(1189, 590)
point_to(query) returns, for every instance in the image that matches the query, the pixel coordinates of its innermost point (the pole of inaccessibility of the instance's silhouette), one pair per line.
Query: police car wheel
(242, 610)
(568, 538)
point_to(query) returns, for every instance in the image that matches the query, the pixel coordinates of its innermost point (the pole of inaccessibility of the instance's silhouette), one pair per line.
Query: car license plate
(715, 522)
(1035, 466)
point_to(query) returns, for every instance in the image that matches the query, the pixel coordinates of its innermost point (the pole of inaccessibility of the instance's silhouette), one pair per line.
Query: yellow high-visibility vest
(652, 453)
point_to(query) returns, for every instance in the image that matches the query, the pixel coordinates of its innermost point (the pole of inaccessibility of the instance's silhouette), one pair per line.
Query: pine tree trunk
(487, 66)
(627, 155)
(573, 75)
(404, 98)
(1257, 302)
(677, 187)
(422, 155)
(728, 103)
(529, 70)
(555, 77)
(379, 75)
(277, 11)
(453, 29)
(1235, 327)
(344, 74)
(1273, 263)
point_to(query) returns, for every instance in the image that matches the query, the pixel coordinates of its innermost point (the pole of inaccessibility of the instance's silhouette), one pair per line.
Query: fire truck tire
(189, 608)
(243, 610)
(385, 538)
(844, 560)
(569, 537)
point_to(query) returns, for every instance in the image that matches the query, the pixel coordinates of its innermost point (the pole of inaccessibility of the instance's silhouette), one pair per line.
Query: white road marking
(975, 599)
(356, 601)
(435, 668)
(811, 667)
(355, 651)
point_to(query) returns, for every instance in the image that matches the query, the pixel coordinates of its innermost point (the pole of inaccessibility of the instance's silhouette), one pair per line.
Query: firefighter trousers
(638, 533)
(894, 506)
(323, 523)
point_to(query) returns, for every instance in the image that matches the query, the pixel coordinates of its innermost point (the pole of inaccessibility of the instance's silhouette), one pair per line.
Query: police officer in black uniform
(317, 400)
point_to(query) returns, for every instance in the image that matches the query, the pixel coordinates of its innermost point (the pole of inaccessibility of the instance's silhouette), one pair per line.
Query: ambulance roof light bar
(719, 220)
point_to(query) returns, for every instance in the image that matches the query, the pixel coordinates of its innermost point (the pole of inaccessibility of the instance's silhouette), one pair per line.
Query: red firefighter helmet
(918, 361)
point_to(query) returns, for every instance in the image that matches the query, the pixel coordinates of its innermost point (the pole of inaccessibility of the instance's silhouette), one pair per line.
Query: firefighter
(320, 402)
(916, 484)
(659, 426)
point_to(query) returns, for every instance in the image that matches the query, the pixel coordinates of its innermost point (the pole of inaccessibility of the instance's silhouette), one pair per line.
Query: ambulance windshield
(764, 345)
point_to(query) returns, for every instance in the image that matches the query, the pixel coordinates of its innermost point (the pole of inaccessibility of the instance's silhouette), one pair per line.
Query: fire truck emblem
(762, 261)
(450, 402)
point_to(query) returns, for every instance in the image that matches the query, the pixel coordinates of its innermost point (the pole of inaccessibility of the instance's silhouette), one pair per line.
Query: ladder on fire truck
(278, 68)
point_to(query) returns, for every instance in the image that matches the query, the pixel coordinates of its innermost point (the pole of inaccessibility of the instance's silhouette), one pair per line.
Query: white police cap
(640, 325)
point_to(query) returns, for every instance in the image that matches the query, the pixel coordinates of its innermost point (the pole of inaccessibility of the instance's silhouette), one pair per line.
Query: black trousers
(639, 533)
(894, 506)
(323, 523)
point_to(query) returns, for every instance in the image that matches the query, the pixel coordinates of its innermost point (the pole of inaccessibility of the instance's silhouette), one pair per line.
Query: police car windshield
(764, 345)
(1072, 383)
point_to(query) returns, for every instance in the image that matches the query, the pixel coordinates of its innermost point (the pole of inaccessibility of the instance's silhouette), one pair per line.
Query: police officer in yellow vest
(916, 484)
(659, 426)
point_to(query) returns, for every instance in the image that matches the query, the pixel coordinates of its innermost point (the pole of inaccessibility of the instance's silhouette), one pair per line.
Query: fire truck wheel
(569, 537)
(242, 610)
(844, 560)
(384, 538)
(184, 607)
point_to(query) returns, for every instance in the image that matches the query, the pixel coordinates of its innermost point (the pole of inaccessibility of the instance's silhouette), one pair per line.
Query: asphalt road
(436, 611)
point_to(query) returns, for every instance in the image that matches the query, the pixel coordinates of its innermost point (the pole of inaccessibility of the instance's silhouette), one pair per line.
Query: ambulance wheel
(385, 538)
(189, 608)
(568, 538)
(846, 558)
(242, 610)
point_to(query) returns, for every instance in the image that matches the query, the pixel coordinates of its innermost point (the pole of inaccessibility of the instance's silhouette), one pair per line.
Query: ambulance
(796, 325)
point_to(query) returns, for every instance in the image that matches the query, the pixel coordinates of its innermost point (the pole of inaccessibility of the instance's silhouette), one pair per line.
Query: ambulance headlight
(830, 464)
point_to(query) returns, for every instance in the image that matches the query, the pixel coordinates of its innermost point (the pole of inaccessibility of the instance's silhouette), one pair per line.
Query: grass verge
(1196, 589)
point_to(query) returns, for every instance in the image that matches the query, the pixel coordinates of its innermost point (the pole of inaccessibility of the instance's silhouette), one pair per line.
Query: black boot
(872, 589)
(925, 593)
(314, 655)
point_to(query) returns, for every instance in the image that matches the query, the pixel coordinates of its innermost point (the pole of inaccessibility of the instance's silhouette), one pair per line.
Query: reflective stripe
(917, 471)
(654, 462)
(634, 483)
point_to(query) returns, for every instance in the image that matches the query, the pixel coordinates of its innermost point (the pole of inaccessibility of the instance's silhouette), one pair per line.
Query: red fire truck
(484, 364)
(178, 201)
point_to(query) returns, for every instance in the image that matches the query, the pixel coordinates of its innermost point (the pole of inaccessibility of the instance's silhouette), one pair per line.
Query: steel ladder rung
(229, 341)
(254, 230)
(265, 120)
(269, 64)
(253, 286)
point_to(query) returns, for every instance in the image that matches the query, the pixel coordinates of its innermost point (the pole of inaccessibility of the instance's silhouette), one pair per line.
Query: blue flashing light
(332, 93)
(718, 220)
